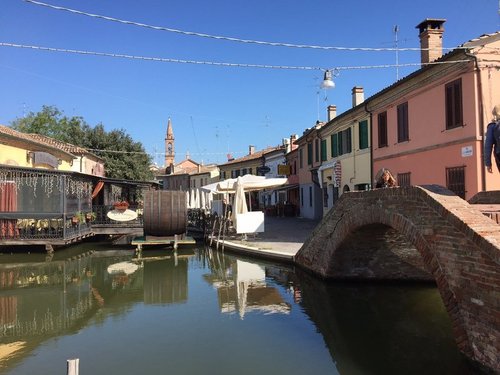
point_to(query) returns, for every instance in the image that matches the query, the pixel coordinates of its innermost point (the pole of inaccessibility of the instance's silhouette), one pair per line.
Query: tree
(123, 157)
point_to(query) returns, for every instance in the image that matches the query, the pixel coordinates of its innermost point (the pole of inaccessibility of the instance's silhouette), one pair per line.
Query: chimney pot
(251, 150)
(431, 39)
(332, 112)
(358, 96)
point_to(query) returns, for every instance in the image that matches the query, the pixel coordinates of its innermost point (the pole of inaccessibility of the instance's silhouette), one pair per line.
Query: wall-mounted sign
(284, 170)
(467, 151)
(262, 170)
(45, 158)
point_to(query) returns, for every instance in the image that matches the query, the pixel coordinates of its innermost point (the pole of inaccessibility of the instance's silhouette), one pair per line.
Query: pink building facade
(428, 128)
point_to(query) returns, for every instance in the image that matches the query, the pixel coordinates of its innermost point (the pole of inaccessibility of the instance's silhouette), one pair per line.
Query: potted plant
(78, 217)
(90, 216)
(121, 206)
(75, 219)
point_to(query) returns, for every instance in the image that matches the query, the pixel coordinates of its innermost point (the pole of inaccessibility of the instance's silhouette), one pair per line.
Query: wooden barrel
(165, 213)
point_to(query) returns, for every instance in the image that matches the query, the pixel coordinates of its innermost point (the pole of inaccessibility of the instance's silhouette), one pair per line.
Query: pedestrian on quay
(492, 141)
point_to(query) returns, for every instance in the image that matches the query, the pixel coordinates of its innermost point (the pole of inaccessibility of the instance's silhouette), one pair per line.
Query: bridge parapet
(445, 238)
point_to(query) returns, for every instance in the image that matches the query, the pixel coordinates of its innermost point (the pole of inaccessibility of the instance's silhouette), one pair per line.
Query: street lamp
(328, 80)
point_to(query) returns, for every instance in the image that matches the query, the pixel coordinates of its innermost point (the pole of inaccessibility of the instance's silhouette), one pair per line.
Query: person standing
(492, 141)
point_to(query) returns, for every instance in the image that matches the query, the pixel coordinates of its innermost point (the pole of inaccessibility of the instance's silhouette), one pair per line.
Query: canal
(207, 312)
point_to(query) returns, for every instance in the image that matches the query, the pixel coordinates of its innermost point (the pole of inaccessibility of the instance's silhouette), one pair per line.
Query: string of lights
(156, 153)
(224, 64)
(226, 38)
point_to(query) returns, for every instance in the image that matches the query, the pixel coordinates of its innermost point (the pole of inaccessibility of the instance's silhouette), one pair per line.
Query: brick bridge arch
(433, 234)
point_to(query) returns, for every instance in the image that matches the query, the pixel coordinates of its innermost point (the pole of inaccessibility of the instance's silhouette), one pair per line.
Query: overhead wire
(224, 64)
(226, 38)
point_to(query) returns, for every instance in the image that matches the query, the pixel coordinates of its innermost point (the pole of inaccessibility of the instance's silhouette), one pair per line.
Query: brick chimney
(332, 112)
(430, 32)
(293, 138)
(251, 150)
(358, 96)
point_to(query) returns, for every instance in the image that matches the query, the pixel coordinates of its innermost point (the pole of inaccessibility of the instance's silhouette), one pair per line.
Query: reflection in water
(144, 315)
(242, 287)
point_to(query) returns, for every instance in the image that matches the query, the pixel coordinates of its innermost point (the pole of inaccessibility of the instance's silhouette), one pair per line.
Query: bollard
(73, 366)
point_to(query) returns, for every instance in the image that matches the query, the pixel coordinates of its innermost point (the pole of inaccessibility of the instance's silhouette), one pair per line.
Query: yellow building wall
(13, 156)
(16, 156)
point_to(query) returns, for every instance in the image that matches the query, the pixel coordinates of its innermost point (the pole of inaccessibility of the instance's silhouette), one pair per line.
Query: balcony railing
(40, 226)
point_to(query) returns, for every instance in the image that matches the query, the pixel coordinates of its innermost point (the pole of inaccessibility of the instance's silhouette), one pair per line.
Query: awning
(249, 182)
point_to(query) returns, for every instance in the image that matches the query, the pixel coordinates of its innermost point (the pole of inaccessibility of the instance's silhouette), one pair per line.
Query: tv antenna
(396, 30)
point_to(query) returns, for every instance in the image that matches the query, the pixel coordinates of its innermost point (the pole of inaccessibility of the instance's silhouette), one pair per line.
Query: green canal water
(207, 312)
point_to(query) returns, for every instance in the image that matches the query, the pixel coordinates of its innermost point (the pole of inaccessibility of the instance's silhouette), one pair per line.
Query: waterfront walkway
(282, 239)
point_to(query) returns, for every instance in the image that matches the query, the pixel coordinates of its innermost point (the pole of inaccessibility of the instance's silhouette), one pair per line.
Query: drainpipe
(481, 117)
(371, 143)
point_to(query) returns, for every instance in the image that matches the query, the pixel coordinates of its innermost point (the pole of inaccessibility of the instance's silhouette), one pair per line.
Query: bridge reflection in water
(156, 315)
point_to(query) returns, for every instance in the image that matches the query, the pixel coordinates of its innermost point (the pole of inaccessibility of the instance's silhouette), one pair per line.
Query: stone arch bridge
(418, 233)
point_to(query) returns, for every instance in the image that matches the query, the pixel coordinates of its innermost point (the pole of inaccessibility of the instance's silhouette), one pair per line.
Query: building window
(243, 171)
(301, 163)
(455, 180)
(323, 150)
(382, 129)
(403, 133)
(342, 143)
(309, 153)
(361, 187)
(250, 171)
(454, 114)
(345, 142)
(316, 150)
(334, 145)
(310, 196)
(404, 179)
(363, 134)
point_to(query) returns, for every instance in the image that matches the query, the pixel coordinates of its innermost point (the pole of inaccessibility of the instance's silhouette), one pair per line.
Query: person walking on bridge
(492, 142)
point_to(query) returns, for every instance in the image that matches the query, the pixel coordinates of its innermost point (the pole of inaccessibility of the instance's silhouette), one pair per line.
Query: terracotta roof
(255, 155)
(45, 141)
(24, 137)
(68, 147)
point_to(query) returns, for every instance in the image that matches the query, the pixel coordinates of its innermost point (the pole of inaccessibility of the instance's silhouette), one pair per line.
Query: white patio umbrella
(196, 199)
(239, 202)
(188, 200)
(250, 183)
(203, 198)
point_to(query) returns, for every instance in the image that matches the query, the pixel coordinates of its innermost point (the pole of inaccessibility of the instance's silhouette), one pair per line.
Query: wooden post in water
(73, 366)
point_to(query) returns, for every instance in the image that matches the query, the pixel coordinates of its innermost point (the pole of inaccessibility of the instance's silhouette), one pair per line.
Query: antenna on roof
(396, 30)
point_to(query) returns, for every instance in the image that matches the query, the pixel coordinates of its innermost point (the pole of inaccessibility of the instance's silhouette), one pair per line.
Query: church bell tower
(169, 148)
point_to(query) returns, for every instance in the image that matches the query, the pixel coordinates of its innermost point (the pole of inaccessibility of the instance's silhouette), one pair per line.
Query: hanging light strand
(223, 64)
(226, 38)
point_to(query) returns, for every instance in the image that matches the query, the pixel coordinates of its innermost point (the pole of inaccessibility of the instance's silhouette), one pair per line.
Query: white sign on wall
(466, 151)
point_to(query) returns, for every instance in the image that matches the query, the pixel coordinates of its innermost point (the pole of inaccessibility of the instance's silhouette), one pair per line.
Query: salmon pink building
(429, 127)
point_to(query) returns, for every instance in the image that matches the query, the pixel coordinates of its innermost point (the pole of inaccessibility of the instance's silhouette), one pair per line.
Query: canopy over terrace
(249, 182)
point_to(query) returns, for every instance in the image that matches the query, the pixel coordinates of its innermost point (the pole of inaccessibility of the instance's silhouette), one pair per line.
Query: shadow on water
(383, 328)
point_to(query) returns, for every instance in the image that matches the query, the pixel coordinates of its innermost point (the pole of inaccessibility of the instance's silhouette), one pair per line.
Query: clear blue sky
(214, 109)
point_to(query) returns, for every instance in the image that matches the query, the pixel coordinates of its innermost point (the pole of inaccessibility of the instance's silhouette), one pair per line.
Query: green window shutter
(323, 150)
(309, 153)
(335, 145)
(363, 135)
(348, 141)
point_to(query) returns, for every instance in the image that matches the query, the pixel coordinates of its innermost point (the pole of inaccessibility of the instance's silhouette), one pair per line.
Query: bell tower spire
(169, 147)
